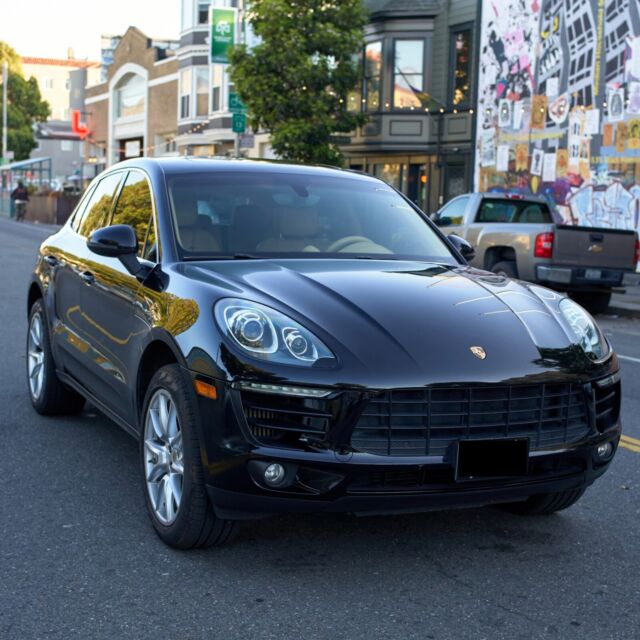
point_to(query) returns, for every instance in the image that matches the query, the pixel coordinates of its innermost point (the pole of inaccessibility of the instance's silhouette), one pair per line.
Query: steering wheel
(343, 243)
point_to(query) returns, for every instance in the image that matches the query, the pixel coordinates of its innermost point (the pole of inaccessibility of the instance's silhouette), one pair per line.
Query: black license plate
(499, 458)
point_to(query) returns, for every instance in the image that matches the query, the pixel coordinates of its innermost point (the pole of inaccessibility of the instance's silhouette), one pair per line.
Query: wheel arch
(35, 293)
(499, 253)
(158, 352)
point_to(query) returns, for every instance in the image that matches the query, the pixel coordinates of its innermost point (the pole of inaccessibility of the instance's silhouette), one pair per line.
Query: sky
(47, 28)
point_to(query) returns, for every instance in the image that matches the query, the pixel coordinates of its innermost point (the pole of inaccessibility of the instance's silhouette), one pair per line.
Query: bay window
(408, 74)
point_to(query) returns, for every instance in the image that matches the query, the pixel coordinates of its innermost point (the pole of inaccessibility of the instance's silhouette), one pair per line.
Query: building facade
(134, 112)
(204, 119)
(418, 71)
(54, 80)
(559, 106)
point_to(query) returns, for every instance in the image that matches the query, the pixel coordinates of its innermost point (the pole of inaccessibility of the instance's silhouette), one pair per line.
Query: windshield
(268, 214)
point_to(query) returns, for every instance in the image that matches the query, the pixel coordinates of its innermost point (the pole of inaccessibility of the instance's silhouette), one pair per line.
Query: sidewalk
(627, 304)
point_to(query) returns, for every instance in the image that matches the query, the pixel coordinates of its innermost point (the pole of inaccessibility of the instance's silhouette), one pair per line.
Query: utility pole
(5, 77)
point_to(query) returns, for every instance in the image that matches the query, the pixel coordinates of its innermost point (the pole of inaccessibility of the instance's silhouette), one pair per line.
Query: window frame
(182, 95)
(364, 100)
(153, 216)
(451, 66)
(78, 219)
(394, 73)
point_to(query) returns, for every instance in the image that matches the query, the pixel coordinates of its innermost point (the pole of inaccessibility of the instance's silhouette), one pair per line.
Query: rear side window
(96, 213)
(514, 211)
(134, 208)
(453, 213)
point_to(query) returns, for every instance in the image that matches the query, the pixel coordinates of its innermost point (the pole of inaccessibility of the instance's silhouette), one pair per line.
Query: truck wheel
(505, 268)
(545, 503)
(594, 303)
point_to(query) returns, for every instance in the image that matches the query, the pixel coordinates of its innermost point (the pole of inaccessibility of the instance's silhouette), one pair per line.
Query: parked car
(310, 343)
(516, 236)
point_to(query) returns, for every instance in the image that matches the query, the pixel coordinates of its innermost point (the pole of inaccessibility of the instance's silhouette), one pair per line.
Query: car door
(69, 258)
(112, 320)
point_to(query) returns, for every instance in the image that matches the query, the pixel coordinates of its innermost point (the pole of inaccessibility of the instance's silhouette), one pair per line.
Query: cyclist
(20, 196)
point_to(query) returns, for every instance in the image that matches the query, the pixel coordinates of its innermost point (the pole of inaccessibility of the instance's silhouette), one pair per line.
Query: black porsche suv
(285, 338)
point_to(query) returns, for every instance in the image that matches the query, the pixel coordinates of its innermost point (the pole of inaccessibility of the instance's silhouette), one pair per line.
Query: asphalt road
(79, 559)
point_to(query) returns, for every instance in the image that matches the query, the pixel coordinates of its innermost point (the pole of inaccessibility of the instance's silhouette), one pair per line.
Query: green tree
(25, 106)
(295, 82)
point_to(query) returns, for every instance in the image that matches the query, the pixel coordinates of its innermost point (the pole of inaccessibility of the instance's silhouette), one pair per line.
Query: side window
(96, 214)
(135, 209)
(76, 217)
(453, 213)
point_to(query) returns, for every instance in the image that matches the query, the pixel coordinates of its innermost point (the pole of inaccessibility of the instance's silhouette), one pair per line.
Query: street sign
(223, 33)
(235, 104)
(247, 141)
(239, 123)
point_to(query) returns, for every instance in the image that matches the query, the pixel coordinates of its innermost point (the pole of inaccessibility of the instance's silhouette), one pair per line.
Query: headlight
(268, 334)
(584, 329)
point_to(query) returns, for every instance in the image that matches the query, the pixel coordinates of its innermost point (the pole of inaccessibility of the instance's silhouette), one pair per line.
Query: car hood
(400, 321)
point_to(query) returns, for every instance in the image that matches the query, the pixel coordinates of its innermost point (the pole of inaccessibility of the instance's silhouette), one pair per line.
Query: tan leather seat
(298, 232)
(195, 232)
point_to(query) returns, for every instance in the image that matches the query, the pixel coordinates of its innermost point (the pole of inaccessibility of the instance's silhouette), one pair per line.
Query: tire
(545, 503)
(49, 396)
(505, 268)
(594, 303)
(172, 473)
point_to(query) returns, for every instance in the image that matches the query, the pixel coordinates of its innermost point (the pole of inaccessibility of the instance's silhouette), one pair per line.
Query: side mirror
(443, 221)
(118, 241)
(464, 248)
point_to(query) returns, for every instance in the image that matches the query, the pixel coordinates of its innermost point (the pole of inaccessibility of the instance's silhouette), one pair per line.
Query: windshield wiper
(235, 256)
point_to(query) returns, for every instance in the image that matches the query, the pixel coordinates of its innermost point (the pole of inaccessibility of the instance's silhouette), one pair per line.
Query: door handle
(52, 261)
(87, 276)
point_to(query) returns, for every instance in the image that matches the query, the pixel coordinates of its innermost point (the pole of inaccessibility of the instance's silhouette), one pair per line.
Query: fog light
(604, 450)
(274, 474)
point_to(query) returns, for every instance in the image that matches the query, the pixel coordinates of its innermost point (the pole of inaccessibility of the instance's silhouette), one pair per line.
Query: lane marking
(630, 444)
(629, 358)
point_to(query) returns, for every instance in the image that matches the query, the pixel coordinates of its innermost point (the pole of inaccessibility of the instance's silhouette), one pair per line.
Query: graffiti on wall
(559, 106)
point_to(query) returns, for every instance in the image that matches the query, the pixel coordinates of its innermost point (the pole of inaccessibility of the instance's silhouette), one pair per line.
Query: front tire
(48, 395)
(545, 503)
(173, 477)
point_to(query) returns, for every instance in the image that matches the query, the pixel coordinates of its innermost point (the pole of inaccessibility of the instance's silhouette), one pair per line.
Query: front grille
(278, 420)
(607, 405)
(416, 422)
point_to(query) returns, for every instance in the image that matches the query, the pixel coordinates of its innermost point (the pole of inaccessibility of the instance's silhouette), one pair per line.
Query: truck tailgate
(594, 247)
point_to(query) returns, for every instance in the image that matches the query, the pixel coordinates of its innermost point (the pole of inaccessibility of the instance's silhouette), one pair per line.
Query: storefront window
(408, 77)
(461, 68)
(372, 75)
(394, 174)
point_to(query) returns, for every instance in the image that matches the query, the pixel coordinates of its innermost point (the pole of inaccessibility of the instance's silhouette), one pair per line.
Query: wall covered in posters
(559, 106)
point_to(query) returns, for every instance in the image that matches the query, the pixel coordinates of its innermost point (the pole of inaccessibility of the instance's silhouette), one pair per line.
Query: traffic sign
(239, 123)
(235, 104)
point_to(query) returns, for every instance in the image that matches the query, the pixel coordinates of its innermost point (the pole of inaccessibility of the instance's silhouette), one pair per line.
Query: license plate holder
(494, 458)
(593, 274)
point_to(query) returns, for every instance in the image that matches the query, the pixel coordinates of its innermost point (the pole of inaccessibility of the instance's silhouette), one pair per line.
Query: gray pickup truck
(517, 236)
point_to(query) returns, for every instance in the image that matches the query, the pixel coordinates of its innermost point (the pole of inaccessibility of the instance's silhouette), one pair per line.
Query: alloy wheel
(35, 356)
(163, 456)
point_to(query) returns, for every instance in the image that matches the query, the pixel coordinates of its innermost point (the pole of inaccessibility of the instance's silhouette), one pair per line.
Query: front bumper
(331, 475)
(365, 484)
